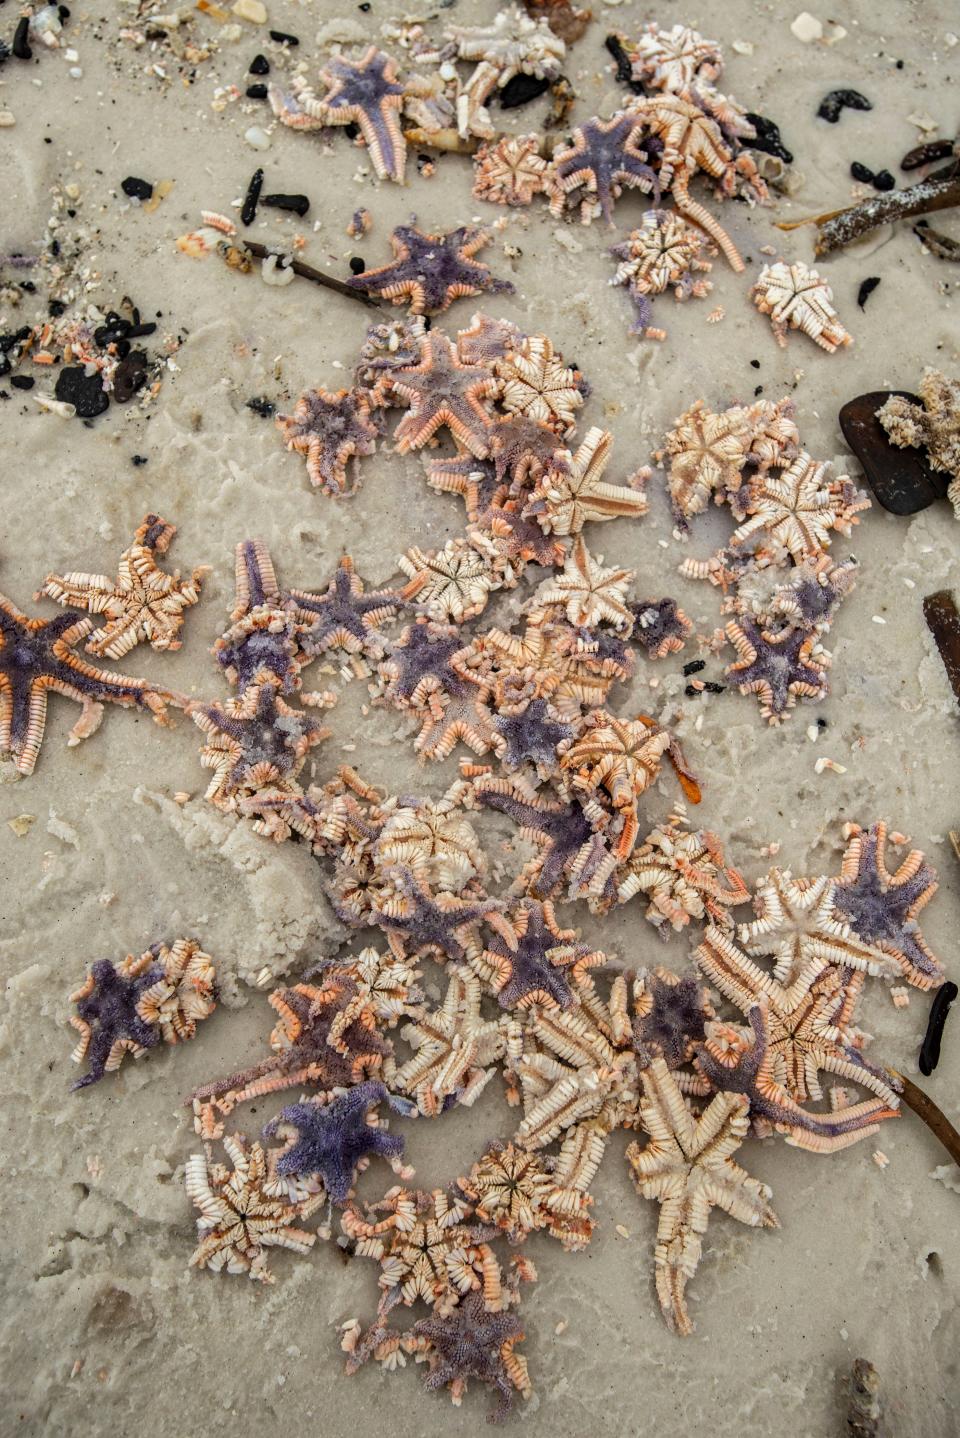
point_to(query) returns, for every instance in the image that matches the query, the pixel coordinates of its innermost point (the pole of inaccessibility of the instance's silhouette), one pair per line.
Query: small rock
(901, 479)
(84, 391)
(22, 824)
(6, 120)
(807, 27)
(256, 138)
(251, 10)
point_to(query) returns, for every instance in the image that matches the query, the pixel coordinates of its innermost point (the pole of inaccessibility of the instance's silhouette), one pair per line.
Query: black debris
(259, 65)
(357, 265)
(12, 344)
(365, 6)
(930, 1049)
(768, 139)
(263, 407)
(624, 65)
(821, 723)
(138, 459)
(249, 212)
(136, 189)
(299, 204)
(712, 688)
(4, 52)
(56, 308)
(130, 376)
(282, 38)
(866, 289)
(883, 180)
(901, 479)
(22, 381)
(522, 89)
(694, 666)
(86, 392)
(422, 162)
(757, 390)
(64, 14)
(862, 173)
(692, 692)
(831, 105)
(352, 130)
(21, 43)
(754, 364)
(927, 154)
(256, 92)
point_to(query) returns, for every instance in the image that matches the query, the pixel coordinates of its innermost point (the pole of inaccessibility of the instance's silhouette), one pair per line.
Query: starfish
(673, 60)
(37, 656)
(238, 1220)
(799, 926)
(516, 535)
(587, 592)
(881, 908)
(933, 425)
(683, 874)
(660, 625)
(571, 1073)
(797, 297)
(434, 840)
(535, 382)
(431, 271)
(365, 92)
(510, 172)
(141, 603)
(473, 479)
(186, 992)
(487, 340)
(108, 1015)
(262, 643)
(531, 733)
(621, 757)
(568, 496)
(456, 1049)
(451, 583)
(343, 617)
(256, 741)
(567, 832)
(473, 1342)
(805, 599)
(664, 253)
(706, 452)
(522, 449)
(530, 959)
(734, 1063)
(670, 1016)
(511, 1188)
(333, 1137)
(417, 922)
(799, 507)
(442, 390)
(687, 1166)
(778, 667)
(329, 428)
(605, 156)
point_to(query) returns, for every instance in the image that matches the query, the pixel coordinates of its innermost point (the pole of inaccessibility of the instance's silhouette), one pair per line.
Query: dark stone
(298, 204)
(943, 621)
(357, 265)
(862, 173)
(282, 38)
(249, 212)
(256, 92)
(21, 43)
(136, 189)
(883, 180)
(624, 65)
(768, 139)
(138, 460)
(831, 105)
(85, 391)
(259, 65)
(930, 1050)
(22, 381)
(901, 479)
(521, 90)
(263, 407)
(129, 376)
(694, 666)
(866, 289)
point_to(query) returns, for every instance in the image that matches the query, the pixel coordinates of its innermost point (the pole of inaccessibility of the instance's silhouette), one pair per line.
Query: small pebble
(256, 138)
(297, 204)
(357, 265)
(866, 289)
(880, 1159)
(251, 10)
(6, 119)
(900, 996)
(807, 27)
(84, 392)
(282, 38)
(256, 92)
(137, 189)
(884, 181)
(825, 763)
(259, 65)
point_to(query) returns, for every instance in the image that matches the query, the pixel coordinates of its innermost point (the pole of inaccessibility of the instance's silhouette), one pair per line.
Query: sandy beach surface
(103, 1328)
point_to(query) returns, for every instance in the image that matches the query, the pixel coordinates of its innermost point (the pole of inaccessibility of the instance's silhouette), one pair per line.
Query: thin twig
(935, 1119)
(307, 272)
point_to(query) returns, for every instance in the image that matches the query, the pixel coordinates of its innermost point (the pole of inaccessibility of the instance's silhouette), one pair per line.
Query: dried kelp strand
(249, 212)
(930, 1048)
(625, 67)
(940, 245)
(768, 138)
(844, 226)
(927, 154)
(831, 105)
(866, 289)
(943, 621)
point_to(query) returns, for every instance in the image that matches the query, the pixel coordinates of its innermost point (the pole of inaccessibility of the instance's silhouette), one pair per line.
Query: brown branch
(307, 272)
(836, 228)
(935, 1119)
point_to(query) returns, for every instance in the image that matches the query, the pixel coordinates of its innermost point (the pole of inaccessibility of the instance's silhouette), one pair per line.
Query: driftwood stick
(837, 228)
(934, 1117)
(307, 272)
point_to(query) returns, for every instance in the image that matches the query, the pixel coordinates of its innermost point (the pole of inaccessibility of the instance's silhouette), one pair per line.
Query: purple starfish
(470, 1343)
(424, 925)
(424, 652)
(335, 1136)
(261, 643)
(344, 617)
(675, 1021)
(530, 735)
(882, 907)
(431, 270)
(562, 830)
(36, 657)
(523, 449)
(660, 625)
(776, 667)
(366, 93)
(108, 1020)
(605, 156)
(532, 972)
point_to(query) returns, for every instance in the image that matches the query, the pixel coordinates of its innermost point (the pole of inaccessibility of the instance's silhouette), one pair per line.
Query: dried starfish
(567, 832)
(472, 1342)
(332, 1136)
(799, 927)
(510, 172)
(621, 757)
(329, 429)
(798, 507)
(431, 271)
(455, 1049)
(262, 643)
(604, 156)
(587, 592)
(441, 390)
(797, 297)
(186, 992)
(366, 92)
(511, 1188)
(933, 425)
(38, 656)
(451, 583)
(108, 1015)
(673, 60)
(684, 876)
(418, 923)
(707, 453)
(670, 1017)
(779, 667)
(487, 339)
(531, 960)
(806, 599)
(660, 625)
(142, 603)
(522, 449)
(255, 741)
(530, 733)
(427, 659)
(882, 908)
(664, 253)
(569, 496)
(687, 1166)
(434, 840)
(535, 382)
(512, 45)
(238, 1221)
(344, 618)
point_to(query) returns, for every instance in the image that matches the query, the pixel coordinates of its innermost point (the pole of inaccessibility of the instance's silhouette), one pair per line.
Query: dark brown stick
(837, 228)
(925, 1108)
(943, 621)
(307, 272)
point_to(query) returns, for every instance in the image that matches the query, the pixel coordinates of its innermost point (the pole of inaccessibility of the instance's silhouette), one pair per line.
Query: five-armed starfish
(262, 643)
(529, 958)
(38, 656)
(367, 93)
(778, 668)
(334, 1136)
(344, 617)
(442, 390)
(256, 741)
(431, 270)
(605, 156)
(882, 908)
(329, 429)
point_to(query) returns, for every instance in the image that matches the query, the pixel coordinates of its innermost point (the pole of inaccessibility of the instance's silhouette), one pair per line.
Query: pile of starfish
(582, 1049)
(675, 126)
(778, 580)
